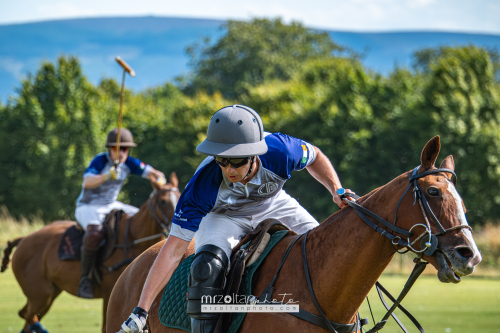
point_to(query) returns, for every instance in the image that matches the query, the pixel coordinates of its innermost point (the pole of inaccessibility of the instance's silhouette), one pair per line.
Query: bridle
(429, 243)
(162, 222)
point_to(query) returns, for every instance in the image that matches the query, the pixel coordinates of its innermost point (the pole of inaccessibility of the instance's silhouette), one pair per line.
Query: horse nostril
(464, 252)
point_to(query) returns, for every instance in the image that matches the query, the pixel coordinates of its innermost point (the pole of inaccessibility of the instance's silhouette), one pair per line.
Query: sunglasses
(235, 162)
(121, 148)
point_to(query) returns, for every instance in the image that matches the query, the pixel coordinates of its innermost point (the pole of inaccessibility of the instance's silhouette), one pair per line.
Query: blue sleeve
(136, 166)
(199, 197)
(98, 163)
(285, 154)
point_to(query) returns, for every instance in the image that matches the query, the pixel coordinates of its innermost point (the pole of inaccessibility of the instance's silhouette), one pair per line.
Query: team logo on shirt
(142, 165)
(267, 188)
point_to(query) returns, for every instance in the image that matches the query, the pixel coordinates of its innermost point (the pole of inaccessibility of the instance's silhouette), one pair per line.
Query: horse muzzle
(453, 263)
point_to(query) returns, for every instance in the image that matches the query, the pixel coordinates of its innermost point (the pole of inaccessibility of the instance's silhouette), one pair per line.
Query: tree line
(371, 126)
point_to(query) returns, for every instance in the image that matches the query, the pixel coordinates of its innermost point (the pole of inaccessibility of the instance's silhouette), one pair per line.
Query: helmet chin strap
(251, 167)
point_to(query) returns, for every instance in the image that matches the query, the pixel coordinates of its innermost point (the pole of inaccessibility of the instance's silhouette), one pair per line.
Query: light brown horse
(42, 276)
(345, 256)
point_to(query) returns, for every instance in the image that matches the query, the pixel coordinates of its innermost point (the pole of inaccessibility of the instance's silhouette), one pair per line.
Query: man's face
(236, 174)
(123, 154)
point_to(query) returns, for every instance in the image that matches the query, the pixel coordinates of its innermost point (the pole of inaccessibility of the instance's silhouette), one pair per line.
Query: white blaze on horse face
(173, 199)
(461, 217)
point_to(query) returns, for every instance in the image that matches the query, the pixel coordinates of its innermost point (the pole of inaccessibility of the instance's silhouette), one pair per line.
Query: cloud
(357, 15)
(12, 66)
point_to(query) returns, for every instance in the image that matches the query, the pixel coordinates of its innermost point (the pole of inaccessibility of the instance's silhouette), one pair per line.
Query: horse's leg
(36, 308)
(105, 301)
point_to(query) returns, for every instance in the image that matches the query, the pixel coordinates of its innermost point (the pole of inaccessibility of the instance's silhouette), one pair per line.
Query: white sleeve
(147, 170)
(312, 154)
(181, 233)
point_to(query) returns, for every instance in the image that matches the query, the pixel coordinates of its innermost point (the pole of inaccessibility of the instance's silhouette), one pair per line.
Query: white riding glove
(136, 323)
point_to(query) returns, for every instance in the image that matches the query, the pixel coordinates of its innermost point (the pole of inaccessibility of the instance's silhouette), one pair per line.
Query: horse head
(456, 253)
(163, 200)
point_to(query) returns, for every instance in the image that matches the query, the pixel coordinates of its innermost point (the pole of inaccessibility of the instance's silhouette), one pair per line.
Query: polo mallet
(126, 69)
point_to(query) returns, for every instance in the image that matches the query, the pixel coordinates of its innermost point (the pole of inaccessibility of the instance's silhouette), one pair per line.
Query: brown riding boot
(86, 287)
(91, 241)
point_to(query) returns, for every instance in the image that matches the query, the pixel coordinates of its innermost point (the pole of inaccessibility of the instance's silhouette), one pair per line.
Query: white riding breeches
(226, 231)
(95, 214)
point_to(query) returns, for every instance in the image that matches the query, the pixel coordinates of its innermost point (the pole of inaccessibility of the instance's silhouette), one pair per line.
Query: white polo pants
(226, 231)
(95, 214)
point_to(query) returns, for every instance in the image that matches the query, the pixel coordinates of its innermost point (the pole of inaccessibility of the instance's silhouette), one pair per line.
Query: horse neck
(355, 255)
(142, 225)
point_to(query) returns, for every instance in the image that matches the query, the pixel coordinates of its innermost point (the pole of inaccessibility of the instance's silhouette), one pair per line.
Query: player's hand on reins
(340, 196)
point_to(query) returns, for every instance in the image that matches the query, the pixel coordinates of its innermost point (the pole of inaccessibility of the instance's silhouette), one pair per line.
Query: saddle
(172, 308)
(72, 239)
(244, 254)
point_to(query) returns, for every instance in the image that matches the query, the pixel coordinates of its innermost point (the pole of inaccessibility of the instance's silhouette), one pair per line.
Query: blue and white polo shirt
(209, 191)
(108, 191)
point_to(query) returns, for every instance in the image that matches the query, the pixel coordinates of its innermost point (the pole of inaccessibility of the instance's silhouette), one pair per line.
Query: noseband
(162, 223)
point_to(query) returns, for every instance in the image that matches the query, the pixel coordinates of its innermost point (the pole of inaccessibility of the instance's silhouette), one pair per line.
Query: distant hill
(155, 47)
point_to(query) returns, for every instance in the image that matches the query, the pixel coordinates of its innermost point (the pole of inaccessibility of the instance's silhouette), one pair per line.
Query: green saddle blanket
(172, 311)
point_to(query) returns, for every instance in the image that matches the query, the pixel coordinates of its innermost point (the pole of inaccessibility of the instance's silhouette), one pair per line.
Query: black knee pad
(206, 280)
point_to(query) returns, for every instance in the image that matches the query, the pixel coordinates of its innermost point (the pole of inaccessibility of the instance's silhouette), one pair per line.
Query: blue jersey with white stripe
(210, 191)
(108, 191)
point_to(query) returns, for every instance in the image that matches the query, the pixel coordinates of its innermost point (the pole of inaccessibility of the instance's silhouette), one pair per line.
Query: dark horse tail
(7, 251)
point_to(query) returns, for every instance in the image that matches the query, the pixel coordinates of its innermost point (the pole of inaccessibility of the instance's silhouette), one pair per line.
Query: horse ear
(172, 179)
(430, 153)
(448, 163)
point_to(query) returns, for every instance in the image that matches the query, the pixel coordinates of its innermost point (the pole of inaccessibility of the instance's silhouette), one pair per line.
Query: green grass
(471, 306)
(68, 313)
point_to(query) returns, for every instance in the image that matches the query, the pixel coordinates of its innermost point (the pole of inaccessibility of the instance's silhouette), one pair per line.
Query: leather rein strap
(266, 297)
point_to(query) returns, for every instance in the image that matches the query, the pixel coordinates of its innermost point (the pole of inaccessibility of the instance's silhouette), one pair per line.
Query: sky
(478, 16)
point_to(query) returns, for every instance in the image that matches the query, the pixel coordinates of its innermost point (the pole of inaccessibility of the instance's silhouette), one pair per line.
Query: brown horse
(42, 276)
(345, 256)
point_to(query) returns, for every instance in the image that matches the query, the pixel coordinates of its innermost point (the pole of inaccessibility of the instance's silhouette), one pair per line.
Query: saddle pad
(172, 310)
(71, 243)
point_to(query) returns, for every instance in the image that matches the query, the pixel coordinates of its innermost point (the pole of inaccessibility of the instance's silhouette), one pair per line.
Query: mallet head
(125, 66)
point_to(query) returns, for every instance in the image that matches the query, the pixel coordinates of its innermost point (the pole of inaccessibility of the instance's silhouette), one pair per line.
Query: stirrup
(86, 288)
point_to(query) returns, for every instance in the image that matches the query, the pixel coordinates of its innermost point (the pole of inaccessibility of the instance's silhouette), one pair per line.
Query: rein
(429, 243)
(160, 222)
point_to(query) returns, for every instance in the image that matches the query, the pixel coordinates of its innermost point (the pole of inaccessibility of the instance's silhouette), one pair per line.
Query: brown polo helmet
(126, 138)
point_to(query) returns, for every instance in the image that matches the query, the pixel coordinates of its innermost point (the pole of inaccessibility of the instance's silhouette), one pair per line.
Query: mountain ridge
(155, 46)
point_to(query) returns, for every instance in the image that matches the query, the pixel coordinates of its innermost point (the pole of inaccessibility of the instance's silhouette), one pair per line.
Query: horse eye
(163, 202)
(433, 191)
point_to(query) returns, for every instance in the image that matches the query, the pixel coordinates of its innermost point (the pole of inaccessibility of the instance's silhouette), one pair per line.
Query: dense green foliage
(372, 127)
(251, 53)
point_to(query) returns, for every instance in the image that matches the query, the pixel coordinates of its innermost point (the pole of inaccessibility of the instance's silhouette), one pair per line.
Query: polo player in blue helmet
(237, 186)
(102, 182)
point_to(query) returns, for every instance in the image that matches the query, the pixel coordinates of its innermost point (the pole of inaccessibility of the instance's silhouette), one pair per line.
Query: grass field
(471, 306)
